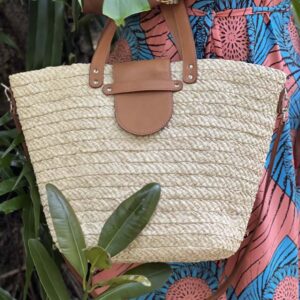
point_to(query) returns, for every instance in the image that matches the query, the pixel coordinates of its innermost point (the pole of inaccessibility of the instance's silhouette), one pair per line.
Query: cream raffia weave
(209, 159)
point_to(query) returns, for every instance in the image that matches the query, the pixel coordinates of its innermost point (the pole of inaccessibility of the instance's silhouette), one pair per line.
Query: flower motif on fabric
(190, 289)
(189, 281)
(231, 32)
(294, 36)
(287, 289)
(279, 280)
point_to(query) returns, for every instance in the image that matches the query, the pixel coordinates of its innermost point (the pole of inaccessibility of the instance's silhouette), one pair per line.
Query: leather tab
(142, 86)
(147, 109)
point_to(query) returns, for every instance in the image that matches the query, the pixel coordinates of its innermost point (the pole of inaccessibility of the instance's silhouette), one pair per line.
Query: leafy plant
(127, 221)
(56, 29)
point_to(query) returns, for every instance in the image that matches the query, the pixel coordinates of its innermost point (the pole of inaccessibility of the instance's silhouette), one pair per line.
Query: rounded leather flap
(143, 113)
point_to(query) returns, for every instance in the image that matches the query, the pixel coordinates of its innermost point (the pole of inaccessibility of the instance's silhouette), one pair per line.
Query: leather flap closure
(143, 95)
(142, 86)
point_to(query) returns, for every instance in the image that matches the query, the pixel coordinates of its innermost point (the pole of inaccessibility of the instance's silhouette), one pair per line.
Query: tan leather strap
(171, 23)
(101, 54)
(177, 18)
(282, 118)
(178, 22)
(143, 86)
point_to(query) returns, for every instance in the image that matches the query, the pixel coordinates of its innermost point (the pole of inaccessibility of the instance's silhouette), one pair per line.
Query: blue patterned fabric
(259, 32)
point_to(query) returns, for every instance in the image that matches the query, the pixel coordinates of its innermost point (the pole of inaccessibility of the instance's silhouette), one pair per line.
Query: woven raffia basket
(209, 159)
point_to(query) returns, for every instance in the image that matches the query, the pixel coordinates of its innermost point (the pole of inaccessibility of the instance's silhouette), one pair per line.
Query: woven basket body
(208, 160)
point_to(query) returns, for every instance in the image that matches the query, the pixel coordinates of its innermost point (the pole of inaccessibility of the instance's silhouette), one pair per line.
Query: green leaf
(157, 274)
(14, 204)
(14, 144)
(34, 195)
(5, 167)
(25, 170)
(129, 219)
(11, 133)
(98, 257)
(123, 280)
(46, 32)
(4, 295)
(68, 231)
(48, 272)
(80, 2)
(76, 9)
(55, 34)
(6, 39)
(5, 119)
(9, 185)
(296, 7)
(28, 233)
(118, 10)
(6, 161)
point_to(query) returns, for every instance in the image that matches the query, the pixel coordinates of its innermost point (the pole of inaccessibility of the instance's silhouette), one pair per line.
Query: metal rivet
(190, 77)
(95, 82)
(96, 71)
(109, 89)
(191, 66)
(177, 85)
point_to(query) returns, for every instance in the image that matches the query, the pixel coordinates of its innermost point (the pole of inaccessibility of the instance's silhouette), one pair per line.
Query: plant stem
(85, 295)
(88, 283)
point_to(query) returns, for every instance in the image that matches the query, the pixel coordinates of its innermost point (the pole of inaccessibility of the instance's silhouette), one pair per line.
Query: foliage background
(34, 34)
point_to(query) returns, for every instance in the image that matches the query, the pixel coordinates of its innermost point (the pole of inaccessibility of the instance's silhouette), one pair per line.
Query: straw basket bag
(199, 128)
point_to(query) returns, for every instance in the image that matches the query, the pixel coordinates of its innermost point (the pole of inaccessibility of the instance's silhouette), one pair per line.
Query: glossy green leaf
(97, 257)
(123, 280)
(48, 272)
(157, 274)
(68, 231)
(5, 295)
(129, 219)
(14, 204)
(6, 39)
(118, 10)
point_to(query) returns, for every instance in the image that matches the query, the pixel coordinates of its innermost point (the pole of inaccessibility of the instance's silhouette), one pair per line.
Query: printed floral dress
(260, 32)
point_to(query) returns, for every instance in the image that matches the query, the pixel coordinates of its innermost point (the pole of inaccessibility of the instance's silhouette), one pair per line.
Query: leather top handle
(179, 24)
(177, 19)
